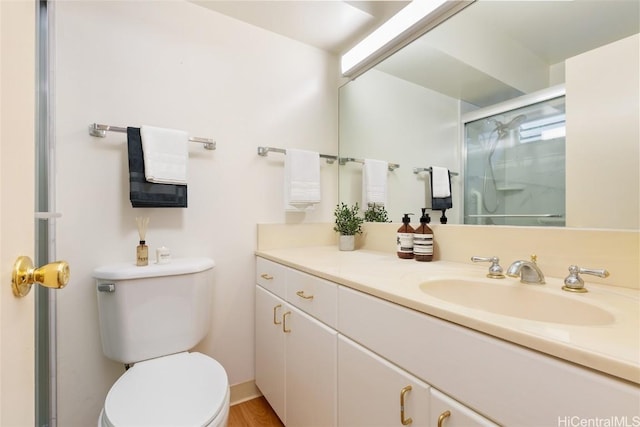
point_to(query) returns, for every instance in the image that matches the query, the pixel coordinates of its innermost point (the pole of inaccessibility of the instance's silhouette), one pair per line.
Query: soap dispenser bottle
(405, 238)
(423, 239)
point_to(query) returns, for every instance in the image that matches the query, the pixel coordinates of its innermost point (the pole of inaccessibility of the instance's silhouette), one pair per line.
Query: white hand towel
(301, 180)
(440, 182)
(166, 154)
(374, 183)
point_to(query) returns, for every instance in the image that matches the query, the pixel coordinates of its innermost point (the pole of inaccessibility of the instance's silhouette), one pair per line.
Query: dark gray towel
(144, 194)
(440, 203)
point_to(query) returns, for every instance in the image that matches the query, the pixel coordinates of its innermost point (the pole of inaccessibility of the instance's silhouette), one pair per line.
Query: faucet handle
(574, 283)
(495, 271)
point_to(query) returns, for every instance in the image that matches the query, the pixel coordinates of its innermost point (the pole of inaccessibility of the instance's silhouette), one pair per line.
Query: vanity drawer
(271, 276)
(313, 295)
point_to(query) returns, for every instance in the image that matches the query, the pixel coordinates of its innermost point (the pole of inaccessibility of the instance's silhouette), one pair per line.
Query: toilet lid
(184, 389)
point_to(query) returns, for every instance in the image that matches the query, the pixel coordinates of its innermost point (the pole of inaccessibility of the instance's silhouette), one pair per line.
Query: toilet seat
(184, 389)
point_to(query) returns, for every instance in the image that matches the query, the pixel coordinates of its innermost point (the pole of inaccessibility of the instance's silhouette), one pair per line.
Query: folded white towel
(374, 182)
(440, 182)
(166, 154)
(301, 180)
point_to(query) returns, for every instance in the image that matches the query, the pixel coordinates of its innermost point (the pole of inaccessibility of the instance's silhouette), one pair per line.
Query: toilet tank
(155, 310)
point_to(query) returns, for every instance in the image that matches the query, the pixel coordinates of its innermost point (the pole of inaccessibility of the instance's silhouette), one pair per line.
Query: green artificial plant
(348, 223)
(376, 213)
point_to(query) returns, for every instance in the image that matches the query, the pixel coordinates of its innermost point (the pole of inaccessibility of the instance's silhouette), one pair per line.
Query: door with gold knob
(17, 145)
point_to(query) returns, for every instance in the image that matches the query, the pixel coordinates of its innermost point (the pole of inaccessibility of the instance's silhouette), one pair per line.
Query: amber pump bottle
(404, 239)
(423, 239)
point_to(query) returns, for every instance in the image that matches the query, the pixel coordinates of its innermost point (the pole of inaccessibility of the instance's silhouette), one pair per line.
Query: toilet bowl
(150, 318)
(185, 389)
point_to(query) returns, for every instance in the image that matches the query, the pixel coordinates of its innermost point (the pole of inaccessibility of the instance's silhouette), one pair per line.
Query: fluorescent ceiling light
(408, 24)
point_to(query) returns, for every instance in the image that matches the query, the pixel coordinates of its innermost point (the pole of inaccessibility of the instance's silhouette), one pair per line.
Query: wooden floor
(253, 413)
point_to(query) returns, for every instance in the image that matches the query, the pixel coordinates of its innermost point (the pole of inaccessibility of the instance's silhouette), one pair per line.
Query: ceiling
(331, 25)
(531, 34)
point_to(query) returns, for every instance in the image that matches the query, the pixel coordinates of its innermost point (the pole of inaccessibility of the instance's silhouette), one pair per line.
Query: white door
(446, 412)
(374, 392)
(270, 347)
(17, 136)
(311, 371)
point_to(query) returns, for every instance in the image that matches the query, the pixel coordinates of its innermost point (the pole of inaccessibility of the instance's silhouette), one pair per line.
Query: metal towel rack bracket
(100, 131)
(344, 160)
(418, 170)
(263, 151)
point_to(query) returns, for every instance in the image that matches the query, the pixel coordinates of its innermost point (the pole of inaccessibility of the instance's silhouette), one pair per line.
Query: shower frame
(504, 107)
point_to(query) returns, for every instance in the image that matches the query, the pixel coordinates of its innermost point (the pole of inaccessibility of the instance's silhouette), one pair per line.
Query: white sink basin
(518, 300)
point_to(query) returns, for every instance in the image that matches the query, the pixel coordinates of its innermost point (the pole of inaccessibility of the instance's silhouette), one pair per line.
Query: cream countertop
(613, 348)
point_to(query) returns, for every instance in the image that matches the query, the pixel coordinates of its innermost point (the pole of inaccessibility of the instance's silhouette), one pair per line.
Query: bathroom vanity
(360, 338)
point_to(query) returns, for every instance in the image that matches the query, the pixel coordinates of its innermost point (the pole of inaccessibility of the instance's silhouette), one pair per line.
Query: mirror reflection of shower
(514, 165)
(500, 132)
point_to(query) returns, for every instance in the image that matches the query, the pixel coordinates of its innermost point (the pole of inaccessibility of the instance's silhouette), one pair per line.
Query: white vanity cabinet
(373, 392)
(329, 355)
(296, 366)
(506, 383)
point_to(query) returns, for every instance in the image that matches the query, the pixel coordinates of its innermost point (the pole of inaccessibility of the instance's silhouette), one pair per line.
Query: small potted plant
(348, 224)
(376, 213)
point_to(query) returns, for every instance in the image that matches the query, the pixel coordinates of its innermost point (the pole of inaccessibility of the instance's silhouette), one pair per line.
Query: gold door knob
(24, 275)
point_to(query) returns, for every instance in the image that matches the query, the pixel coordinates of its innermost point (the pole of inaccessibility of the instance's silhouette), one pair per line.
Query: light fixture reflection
(408, 24)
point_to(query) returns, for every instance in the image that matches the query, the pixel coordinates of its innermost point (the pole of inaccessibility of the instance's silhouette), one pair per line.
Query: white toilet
(149, 318)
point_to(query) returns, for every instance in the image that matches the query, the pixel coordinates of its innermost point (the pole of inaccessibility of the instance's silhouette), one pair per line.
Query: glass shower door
(515, 165)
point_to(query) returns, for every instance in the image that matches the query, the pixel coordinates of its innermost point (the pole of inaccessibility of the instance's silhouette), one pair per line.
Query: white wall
(603, 114)
(175, 64)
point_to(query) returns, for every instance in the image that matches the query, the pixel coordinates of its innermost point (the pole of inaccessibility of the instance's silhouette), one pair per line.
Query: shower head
(515, 123)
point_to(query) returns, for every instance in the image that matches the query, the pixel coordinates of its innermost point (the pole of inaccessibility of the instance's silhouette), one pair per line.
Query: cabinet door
(371, 390)
(447, 412)
(270, 349)
(311, 371)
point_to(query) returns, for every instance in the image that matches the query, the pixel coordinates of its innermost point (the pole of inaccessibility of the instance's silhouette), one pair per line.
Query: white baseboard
(243, 392)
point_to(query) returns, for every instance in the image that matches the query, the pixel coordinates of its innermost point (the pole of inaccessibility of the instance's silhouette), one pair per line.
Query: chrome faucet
(528, 271)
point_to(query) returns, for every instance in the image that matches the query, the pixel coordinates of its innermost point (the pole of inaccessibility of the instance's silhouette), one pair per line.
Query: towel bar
(418, 170)
(100, 131)
(263, 151)
(343, 161)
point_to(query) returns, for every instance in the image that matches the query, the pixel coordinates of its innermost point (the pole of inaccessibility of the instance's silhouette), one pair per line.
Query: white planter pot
(347, 243)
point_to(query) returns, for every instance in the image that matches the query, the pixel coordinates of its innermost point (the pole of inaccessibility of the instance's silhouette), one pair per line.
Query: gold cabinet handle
(302, 295)
(266, 276)
(403, 393)
(24, 275)
(275, 309)
(284, 323)
(443, 416)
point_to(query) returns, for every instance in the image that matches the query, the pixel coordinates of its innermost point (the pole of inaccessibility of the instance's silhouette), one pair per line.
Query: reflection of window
(550, 127)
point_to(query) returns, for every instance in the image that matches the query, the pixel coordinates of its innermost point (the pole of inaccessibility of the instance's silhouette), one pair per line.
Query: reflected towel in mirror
(440, 188)
(374, 183)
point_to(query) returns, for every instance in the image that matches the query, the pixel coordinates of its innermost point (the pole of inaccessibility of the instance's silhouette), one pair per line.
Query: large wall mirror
(534, 105)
